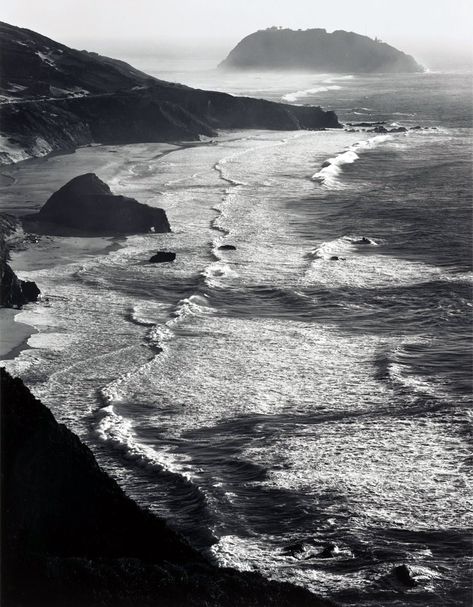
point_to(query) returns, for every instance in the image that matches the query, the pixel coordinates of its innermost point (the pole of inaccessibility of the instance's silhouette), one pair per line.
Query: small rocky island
(87, 204)
(319, 51)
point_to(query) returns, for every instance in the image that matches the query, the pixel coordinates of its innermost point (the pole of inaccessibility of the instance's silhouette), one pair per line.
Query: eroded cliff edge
(14, 292)
(72, 538)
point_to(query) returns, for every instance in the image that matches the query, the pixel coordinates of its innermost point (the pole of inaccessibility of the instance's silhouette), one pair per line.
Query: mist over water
(299, 405)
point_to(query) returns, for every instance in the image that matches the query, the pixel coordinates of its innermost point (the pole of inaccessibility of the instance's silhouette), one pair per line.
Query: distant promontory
(55, 99)
(319, 51)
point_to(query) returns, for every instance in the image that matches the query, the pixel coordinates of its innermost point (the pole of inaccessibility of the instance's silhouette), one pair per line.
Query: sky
(424, 28)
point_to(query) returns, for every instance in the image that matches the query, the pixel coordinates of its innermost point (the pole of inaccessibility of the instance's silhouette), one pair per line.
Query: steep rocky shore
(14, 292)
(55, 99)
(71, 537)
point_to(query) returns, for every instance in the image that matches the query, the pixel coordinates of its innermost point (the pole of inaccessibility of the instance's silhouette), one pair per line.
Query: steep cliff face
(318, 51)
(86, 203)
(71, 538)
(14, 293)
(56, 99)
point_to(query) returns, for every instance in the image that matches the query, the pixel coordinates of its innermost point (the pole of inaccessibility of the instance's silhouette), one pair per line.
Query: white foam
(118, 430)
(195, 305)
(346, 245)
(216, 273)
(328, 176)
(292, 97)
(361, 265)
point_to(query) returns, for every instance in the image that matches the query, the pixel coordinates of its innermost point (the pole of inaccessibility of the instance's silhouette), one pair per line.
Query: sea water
(300, 405)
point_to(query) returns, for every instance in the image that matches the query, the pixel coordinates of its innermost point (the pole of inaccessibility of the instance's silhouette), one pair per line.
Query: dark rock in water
(325, 164)
(366, 124)
(379, 129)
(317, 50)
(398, 129)
(295, 549)
(403, 575)
(70, 536)
(362, 240)
(162, 256)
(334, 258)
(86, 203)
(417, 128)
(302, 550)
(227, 247)
(328, 552)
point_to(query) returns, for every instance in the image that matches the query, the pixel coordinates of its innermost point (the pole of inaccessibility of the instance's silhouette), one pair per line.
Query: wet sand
(13, 335)
(25, 187)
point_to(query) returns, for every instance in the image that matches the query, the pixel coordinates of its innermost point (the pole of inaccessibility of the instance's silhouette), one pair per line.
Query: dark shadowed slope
(71, 538)
(318, 51)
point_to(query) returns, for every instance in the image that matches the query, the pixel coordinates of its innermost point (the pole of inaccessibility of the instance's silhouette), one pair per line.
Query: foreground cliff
(318, 51)
(71, 538)
(55, 99)
(86, 203)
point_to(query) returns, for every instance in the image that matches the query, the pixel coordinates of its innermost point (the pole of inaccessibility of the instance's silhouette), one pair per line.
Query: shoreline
(14, 334)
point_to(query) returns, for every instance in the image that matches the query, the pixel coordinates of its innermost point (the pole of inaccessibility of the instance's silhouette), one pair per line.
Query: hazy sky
(416, 26)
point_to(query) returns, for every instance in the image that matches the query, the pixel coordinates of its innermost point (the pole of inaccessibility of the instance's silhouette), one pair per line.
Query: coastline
(52, 250)
(14, 334)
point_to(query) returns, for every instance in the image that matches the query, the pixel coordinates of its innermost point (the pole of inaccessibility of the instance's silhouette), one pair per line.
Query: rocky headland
(14, 293)
(319, 51)
(87, 204)
(55, 99)
(71, 537)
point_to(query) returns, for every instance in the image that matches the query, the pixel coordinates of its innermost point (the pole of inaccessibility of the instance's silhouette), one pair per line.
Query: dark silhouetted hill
(72, 538)
(319, 51)
(55, 99)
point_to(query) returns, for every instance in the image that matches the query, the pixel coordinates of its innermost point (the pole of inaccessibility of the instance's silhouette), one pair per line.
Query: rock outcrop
(227, 247)
(86, 203)
(162, 257)
(14, 293)
(70, 536)
(57, 98)
(319, 51)
(402, 574)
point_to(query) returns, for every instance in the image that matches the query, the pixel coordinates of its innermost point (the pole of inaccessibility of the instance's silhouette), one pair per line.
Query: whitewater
(298, 404)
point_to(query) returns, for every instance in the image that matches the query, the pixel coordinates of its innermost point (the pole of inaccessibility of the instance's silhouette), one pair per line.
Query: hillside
(55, 99)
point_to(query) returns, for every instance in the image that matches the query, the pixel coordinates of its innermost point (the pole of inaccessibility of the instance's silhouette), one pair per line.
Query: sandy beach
(13, 335)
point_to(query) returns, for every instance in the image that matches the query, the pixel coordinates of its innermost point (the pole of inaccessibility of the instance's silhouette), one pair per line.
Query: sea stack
(86, 203)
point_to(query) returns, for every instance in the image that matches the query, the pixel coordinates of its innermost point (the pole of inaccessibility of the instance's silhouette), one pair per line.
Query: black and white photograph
(236, 269)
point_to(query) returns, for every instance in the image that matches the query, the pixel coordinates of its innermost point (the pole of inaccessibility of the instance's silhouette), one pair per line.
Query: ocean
(300, 405)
